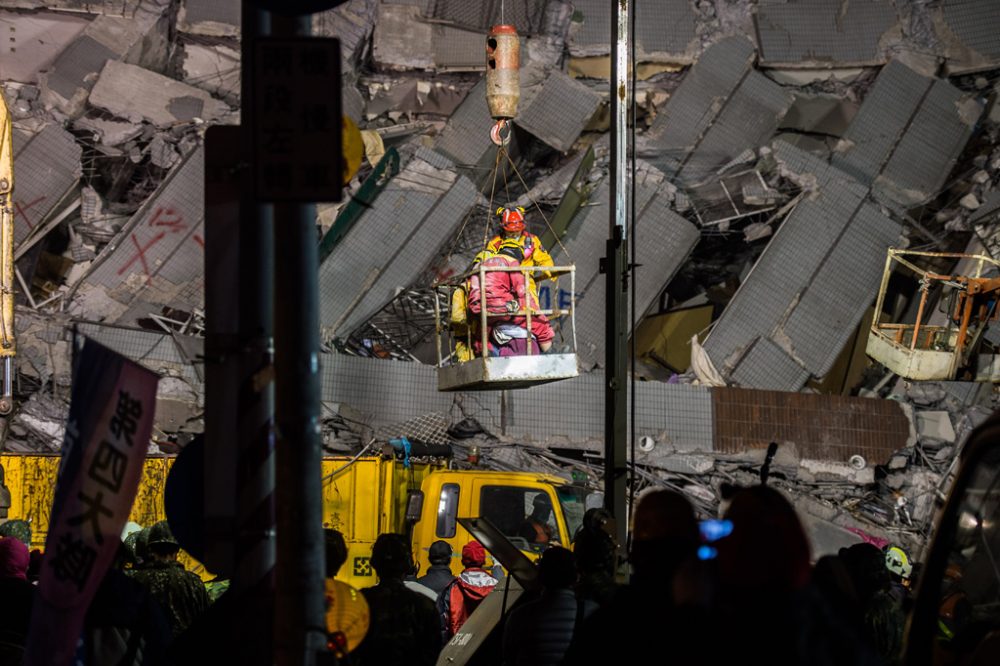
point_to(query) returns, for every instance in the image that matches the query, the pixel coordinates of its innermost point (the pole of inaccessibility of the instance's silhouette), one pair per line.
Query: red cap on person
(473, 554)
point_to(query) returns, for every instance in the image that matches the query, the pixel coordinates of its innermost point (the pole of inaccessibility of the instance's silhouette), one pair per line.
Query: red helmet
(511, 218)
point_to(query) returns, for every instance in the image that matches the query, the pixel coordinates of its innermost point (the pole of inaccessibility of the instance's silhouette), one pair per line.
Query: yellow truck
(362, 498)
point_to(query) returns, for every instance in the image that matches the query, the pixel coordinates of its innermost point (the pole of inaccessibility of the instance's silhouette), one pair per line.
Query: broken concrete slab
(141, 39)
(935, 426)
(829, 115)
(826, 470)
(136, 94)
(33, 41)
(210, 18)
(215, 69)
(559, 111)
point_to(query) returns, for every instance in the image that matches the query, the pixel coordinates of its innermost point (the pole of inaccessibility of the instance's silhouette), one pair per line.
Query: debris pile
(774, 168)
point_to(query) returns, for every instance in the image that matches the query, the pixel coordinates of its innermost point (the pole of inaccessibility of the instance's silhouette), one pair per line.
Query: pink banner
(107, 435)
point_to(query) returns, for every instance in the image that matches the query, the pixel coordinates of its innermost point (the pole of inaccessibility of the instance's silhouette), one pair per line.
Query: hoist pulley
(503, 79)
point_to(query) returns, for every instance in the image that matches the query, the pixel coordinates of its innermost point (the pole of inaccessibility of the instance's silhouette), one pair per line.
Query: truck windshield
(573, 500)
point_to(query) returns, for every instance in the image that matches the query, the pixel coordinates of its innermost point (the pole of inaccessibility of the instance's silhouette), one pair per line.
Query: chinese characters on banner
(297, 125)
(107, 435)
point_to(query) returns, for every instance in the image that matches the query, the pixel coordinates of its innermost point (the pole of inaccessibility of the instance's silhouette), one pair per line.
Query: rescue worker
(463, 595)
(463, 327)
(512, 228)
(506, 295)
(536, 529)
(179, 592)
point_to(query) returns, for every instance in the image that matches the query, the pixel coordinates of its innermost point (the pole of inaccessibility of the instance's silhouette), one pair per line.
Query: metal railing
(526, 309)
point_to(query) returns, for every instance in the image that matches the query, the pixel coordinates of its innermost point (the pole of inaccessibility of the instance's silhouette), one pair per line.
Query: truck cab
(506, 499)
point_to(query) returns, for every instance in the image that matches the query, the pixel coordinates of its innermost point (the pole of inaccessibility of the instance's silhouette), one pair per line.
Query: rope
(534, 203)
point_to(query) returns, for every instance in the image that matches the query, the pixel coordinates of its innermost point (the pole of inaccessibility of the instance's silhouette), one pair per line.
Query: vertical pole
(616, 272)
(255, 539)
(300, 631)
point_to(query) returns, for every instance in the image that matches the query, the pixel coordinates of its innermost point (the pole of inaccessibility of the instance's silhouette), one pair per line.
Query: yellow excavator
(8, 346)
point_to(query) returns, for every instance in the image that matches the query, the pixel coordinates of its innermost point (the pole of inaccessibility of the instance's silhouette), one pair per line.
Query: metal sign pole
(616, 273)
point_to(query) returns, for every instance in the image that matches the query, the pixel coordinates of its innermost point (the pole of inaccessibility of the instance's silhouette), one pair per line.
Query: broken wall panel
(457, 49)
(665, 30)
(211, 18)
(747, 121)
(352, 23)
(663, 242)
(157, 261)
(927, 152)
(153, 349)
(975, 24)
(811, 286)
(395, 240)
(528, 16)
(907, 135)
(767, 366)
(827, 314)
(820, 33)
(560, 111)
(466, 137)
(820, 427)
(46, 169)
(385, 392)
(783, 270)
(721, 109)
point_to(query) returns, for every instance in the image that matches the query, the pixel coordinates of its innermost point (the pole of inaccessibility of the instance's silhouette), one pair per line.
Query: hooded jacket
(501, 287)
(457, 601)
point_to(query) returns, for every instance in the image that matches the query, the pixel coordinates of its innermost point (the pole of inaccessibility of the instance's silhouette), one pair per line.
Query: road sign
(297, 124)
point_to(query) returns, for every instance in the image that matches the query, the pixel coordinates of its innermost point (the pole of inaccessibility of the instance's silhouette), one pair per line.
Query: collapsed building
(781, 150)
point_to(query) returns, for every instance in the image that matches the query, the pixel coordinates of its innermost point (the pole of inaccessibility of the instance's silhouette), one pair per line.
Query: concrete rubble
(775, 167)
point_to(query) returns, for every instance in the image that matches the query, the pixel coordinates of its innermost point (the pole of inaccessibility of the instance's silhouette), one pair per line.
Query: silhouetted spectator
(179, 592)
(16, 598)
(770, 612)
(463, 595)
(124, 625)
(539, 632)
(404, 626)
(439, 574)
(335, 550)
(664, 538)
(595, 551)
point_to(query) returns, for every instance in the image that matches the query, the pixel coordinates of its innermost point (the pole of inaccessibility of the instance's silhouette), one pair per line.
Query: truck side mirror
(414, 505)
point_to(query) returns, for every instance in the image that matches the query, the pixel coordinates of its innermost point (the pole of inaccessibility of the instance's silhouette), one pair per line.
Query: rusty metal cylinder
(503, 71)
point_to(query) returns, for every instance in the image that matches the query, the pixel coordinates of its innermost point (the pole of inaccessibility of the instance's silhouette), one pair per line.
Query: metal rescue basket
(482, 371)
(960, 345)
